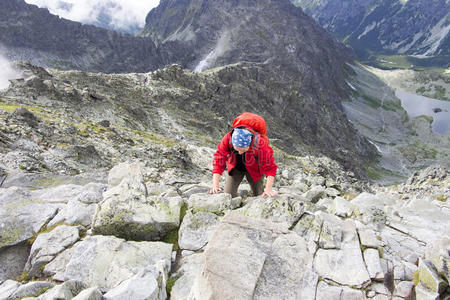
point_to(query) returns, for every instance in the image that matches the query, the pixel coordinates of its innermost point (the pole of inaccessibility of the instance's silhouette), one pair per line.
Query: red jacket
(258, 161)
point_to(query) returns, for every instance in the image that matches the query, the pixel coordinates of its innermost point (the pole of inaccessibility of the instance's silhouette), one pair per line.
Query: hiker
(245, 151)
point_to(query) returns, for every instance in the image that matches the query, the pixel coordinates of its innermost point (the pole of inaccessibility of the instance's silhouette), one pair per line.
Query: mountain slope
(31, 33)
(285, 50)
(414, 27)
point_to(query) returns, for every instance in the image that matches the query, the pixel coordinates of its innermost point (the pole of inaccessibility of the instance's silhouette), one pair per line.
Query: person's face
(241, 149)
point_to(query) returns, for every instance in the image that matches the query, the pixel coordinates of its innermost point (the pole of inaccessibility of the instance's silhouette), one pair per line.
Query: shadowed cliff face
(218, 33)
(31, 33)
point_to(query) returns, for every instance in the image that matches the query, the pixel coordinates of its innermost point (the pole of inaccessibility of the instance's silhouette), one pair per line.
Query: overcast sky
(124, 14)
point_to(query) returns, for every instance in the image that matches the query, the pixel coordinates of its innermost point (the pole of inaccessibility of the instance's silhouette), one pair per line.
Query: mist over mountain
(31, 33)
(414, 27)
(119, 15)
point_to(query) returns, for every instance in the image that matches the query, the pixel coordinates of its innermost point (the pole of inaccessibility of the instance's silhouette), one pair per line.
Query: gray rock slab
(341, 207)
(196, 229)
(404, 289)
(105, 261)
(196, 189)
(368, 238)
(352, 294)
(8, 288)
(66, 290)
(438, 252)
(315, 193)
(287, 271)
(126, 211)
(422, 293)
(373, 263)
(328, 292)
(32, 289)
(249, 257)
(285, 209)
(92, 293)
(235, 257)
(332, 192)
(48, 245)
(429, 277)
(144, 285)
(59, 194)
(215, 203)
(345, 265)
(13, 260)
(57, 266)
(75, 212)
(331, 234)
(423, 220)
(121, 171)
(22, 215)
(309, 227)
(186, 276)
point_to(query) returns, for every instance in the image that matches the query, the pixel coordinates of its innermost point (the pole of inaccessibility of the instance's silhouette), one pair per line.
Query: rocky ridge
(97, 118)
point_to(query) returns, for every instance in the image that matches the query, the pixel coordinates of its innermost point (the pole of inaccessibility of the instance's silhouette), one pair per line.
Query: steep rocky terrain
(417, 27)
(404, 143)
(31, 33)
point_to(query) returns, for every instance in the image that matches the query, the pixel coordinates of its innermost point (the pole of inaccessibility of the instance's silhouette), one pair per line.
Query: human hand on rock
(269, 194)
(215, 190)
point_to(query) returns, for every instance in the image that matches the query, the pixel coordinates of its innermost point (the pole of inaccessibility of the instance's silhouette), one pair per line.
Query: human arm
(268, 190)
(215, 186)
(219, 163)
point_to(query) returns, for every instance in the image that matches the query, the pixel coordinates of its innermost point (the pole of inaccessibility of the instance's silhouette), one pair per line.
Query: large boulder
(339, 257)
(214, 203)
(186, 273)
(13, 260)
(24, 213)
(196, 229)
(285, 208)
(106, 261)
(47, 246)
(148, 284)
(438, 252)
(254, 259)
(127, 211)
(81, 209)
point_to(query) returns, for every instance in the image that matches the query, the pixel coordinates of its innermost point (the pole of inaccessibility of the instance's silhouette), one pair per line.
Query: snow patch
(437, 34)
(368, 29)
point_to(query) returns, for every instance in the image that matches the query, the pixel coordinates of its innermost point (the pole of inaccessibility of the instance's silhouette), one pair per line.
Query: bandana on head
(241, 138)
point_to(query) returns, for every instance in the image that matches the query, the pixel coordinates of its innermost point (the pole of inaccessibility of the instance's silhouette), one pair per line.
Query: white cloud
(7, 72)
(121, 14)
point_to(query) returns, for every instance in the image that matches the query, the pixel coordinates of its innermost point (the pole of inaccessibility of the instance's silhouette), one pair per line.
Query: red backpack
(255, 123)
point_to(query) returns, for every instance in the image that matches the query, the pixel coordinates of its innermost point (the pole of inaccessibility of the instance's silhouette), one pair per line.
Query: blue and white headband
(241, 138)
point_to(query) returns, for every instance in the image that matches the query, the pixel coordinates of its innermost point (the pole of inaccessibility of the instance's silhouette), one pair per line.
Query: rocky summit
(103, 196)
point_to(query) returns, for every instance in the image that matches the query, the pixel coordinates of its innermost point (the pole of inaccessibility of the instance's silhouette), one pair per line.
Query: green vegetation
(390, 62)
(170, 283)
(416, 277)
